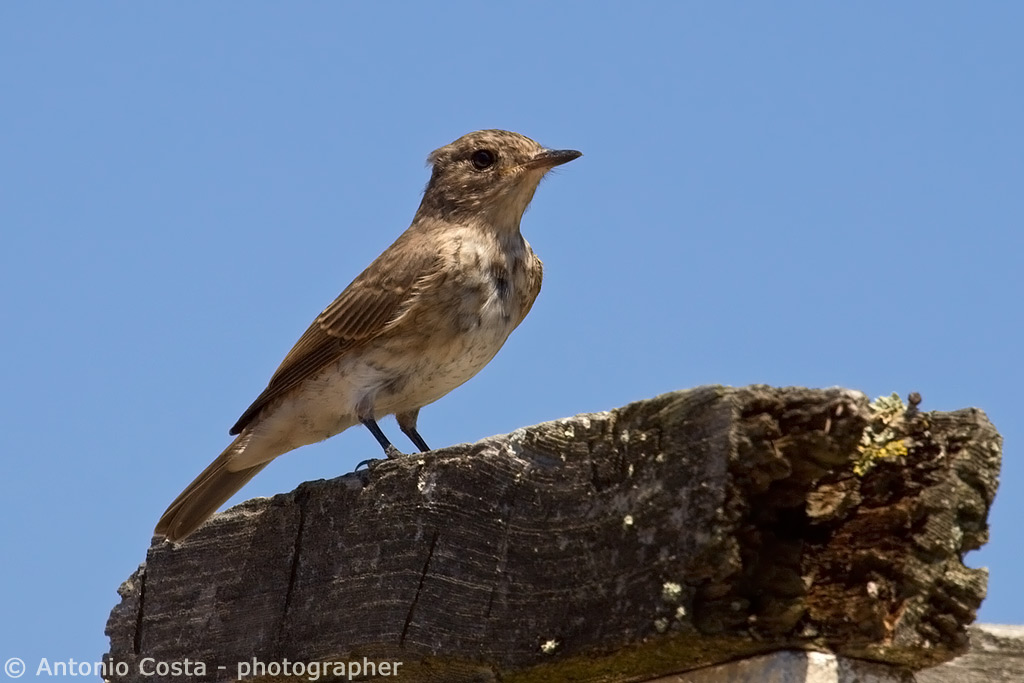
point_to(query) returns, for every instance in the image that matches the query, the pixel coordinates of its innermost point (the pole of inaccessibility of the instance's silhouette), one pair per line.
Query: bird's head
(489, 175)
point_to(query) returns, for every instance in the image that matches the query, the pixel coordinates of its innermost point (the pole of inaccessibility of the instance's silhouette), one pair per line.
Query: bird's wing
(381, 293)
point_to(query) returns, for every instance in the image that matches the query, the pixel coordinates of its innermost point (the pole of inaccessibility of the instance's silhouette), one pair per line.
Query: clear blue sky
(811, 195)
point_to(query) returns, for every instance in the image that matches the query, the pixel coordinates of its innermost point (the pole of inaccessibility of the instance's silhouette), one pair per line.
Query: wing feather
(378, 296)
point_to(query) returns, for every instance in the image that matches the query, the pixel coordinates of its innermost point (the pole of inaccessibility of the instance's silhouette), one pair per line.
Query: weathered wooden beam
(690, 529)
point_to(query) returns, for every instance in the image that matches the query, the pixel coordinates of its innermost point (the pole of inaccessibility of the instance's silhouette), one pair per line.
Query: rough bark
(673, 533)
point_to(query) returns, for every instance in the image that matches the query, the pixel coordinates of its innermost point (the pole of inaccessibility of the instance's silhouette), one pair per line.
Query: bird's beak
(550, 158)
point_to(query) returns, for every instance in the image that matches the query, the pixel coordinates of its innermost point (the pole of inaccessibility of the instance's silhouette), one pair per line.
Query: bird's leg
(407, 423)
(417, 440)
(389, 448)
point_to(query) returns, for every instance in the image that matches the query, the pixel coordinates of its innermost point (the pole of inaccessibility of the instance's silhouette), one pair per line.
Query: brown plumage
(423, 318)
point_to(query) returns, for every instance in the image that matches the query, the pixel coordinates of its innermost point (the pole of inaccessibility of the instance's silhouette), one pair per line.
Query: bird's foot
(391, 452)
(369, 464)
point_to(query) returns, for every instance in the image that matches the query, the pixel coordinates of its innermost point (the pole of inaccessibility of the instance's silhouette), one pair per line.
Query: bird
(423, 318)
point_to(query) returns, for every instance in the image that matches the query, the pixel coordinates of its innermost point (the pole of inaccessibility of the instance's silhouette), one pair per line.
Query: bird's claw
(393, 452)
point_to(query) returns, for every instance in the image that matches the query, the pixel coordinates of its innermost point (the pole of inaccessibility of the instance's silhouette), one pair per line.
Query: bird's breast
(492, 286)
(460, 325)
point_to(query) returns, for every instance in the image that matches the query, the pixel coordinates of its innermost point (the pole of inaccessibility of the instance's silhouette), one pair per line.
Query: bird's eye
(482, 158)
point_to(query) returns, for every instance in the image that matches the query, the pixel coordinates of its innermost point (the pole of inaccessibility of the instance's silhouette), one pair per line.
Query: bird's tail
(204, 495)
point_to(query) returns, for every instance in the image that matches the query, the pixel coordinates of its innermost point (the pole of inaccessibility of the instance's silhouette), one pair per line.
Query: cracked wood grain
(419, 589)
